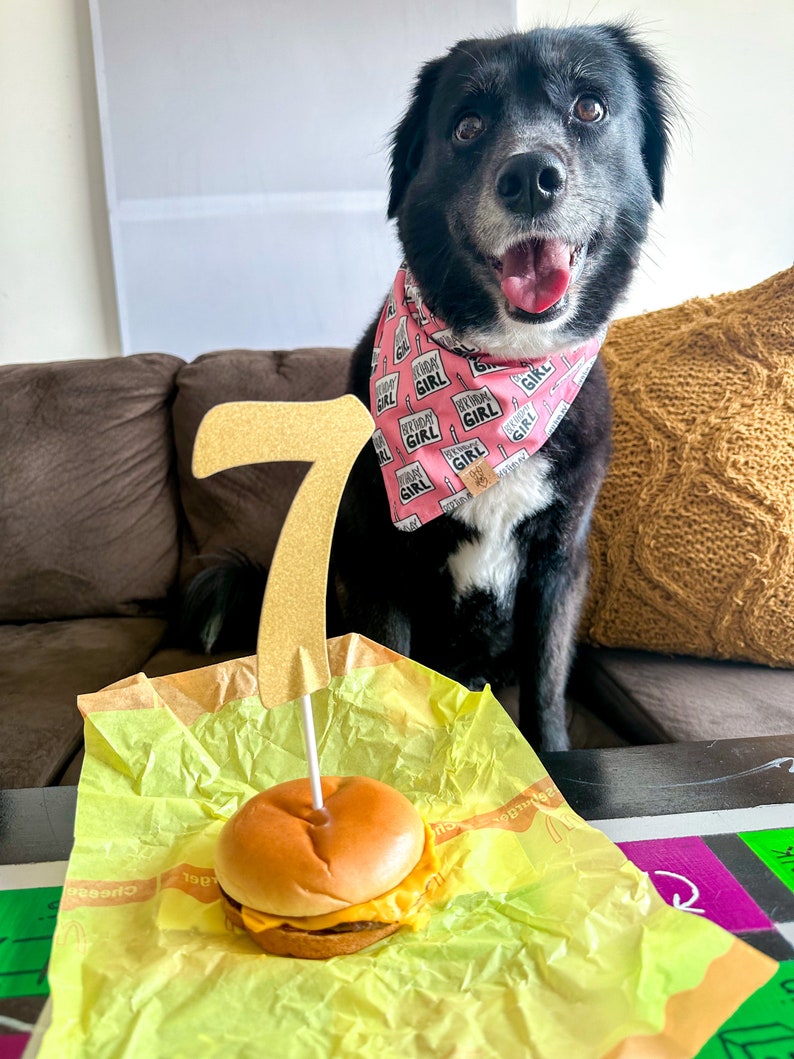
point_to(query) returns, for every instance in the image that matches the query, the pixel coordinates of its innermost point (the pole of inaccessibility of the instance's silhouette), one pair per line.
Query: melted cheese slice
(399, 904)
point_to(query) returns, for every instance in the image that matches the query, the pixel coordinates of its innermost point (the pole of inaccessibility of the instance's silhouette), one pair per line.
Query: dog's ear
(656, 98)
(409, 136)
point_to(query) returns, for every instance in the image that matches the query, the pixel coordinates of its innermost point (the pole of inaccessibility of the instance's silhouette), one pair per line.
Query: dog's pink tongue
(536, 275)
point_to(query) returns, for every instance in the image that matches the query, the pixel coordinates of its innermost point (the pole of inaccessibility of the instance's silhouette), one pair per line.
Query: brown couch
(102, 522)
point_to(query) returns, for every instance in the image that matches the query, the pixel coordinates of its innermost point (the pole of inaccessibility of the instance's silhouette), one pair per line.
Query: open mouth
(536, 275)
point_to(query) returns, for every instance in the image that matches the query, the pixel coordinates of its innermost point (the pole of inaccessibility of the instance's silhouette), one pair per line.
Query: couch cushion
(170, 660)
(585, 729)
(651, 698)
(692, 544)
(88, 498)
(244, 508)
(44, 667)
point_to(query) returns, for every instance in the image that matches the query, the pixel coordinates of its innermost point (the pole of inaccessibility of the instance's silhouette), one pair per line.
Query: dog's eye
(589, 109)
(469, 128)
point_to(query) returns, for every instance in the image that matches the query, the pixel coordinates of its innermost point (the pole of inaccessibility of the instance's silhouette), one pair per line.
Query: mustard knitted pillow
(692, 545)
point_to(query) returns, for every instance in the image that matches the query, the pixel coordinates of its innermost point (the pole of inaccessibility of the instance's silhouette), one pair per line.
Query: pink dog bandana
(449, 425)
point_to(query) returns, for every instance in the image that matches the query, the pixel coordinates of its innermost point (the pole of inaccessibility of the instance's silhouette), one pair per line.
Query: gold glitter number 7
(292, 657)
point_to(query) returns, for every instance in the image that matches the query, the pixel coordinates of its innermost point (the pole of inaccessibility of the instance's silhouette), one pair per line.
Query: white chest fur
(491, 561)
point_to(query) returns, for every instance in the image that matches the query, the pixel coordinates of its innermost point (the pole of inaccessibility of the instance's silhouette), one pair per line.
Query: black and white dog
(522, 179)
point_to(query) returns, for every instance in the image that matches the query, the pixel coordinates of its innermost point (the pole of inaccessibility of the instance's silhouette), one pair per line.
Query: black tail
(222, 604)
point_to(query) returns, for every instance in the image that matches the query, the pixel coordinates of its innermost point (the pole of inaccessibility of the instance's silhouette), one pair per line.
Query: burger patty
(340, 928)
(231, 900)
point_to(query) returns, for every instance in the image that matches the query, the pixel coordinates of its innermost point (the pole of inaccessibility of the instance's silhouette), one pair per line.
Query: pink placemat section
(12, 1045)
(690, 876)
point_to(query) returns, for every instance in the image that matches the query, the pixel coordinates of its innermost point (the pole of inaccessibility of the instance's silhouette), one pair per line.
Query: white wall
(728, 216)
(245, 147)
(57, 299)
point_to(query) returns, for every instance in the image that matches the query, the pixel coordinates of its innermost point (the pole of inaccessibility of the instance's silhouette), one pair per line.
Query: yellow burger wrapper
(542, 941)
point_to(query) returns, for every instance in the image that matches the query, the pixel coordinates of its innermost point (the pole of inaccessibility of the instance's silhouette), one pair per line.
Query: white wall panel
(269, 279)
(245, 151)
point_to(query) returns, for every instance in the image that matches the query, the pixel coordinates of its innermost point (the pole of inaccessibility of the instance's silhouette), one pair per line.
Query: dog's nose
(529, 183)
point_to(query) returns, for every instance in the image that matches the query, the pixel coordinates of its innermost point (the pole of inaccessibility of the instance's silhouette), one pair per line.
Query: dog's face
(523, 176)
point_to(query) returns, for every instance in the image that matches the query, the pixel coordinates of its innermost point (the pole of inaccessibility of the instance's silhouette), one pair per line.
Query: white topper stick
(311, 751)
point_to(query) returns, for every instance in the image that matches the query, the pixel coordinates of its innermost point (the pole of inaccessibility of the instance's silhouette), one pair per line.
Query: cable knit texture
(692, 545)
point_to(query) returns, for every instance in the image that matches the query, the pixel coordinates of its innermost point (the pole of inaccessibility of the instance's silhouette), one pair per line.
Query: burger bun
(280, 856)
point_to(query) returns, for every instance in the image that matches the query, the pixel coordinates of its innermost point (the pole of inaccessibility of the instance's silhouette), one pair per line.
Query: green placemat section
(763, 1027)
(775, 849)
(27, 923)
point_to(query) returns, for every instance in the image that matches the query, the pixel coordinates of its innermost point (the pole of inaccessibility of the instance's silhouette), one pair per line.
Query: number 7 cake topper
(291, 649)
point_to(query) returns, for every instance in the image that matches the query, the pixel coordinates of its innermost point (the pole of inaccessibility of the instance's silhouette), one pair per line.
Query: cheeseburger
(315, 883)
